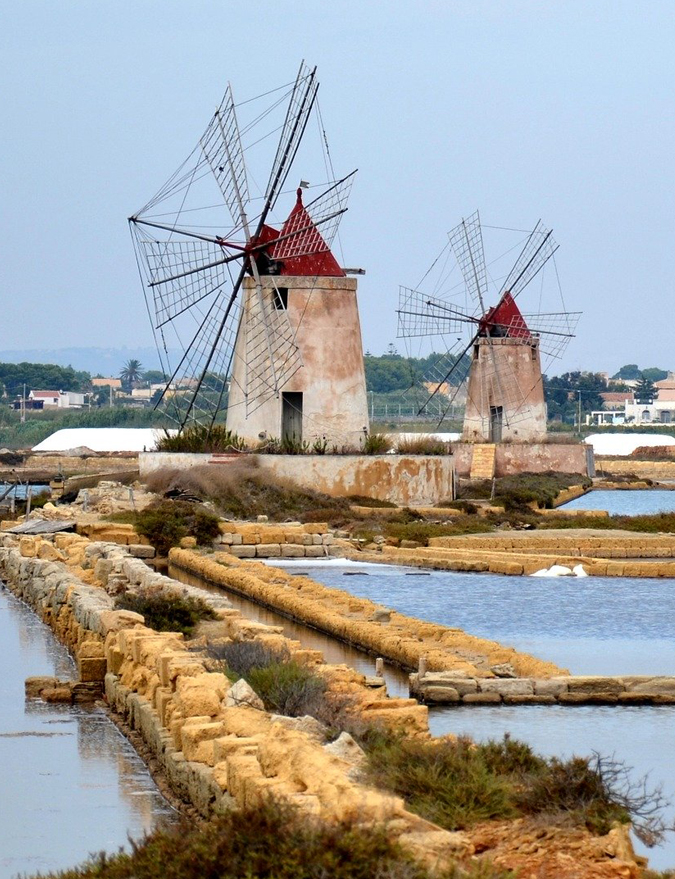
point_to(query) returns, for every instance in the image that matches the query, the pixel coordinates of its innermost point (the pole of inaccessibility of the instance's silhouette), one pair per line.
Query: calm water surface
(70, 783)
(590, 625)
(625, 503)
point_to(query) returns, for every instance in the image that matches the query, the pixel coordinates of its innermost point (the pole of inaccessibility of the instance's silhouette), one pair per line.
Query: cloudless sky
(562, 110)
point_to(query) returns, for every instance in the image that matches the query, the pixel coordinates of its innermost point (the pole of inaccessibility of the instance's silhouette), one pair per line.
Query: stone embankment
(654, 470)
(401, 639)
(216, 746)
(446, 688)
(602, 553)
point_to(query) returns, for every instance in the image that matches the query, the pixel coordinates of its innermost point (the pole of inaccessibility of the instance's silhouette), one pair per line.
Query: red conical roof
(305, 253)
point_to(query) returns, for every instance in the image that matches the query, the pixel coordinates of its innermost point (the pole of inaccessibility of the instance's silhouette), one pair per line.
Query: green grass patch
(654, 523)
(167, 611)
(421, 531)
(201, 439)
(518, 492)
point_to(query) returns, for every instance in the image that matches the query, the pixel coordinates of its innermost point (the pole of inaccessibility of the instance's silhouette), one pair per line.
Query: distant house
(616, 399)
(56, 400)
(666, 389)
(141, 393)
(106, 383)
(49, 399)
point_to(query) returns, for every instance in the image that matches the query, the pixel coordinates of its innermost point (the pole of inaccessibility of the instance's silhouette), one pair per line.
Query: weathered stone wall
(641, 469)
(407, 480)
(514, 458)
(445, 689)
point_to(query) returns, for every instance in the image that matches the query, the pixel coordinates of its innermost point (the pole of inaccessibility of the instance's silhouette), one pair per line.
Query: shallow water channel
(627, 502)
(590, 625)
(70, 783)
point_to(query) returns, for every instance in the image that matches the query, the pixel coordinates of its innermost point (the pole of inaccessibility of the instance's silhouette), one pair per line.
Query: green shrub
(166, 522)
(201, 439)
(422, 531)
(361, 500)
(167, 611)
(270, 842)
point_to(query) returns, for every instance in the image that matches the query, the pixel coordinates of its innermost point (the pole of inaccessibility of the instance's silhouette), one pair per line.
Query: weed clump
(240, 490)
(422, 445)
(200, 439)
(459, 783)
(284, 685)
(377, 444)
(165, 524)
(167, 611)
(270, 842)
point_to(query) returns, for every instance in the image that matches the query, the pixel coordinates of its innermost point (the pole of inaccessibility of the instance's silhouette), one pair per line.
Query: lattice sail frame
(445, 385)
(193, 279)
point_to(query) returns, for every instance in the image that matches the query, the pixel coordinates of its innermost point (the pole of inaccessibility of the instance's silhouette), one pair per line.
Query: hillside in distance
(103, 361)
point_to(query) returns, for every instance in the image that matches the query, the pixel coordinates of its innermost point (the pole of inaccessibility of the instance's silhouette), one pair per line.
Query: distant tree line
(392, 372)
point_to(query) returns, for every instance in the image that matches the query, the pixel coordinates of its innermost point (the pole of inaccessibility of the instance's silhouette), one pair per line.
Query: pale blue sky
(559, 110)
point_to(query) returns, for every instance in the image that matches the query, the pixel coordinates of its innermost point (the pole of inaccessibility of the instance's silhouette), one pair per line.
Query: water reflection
(77, 786)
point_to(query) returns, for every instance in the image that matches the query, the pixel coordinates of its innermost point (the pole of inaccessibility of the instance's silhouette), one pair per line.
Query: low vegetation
(200, 439)
(458, 783)
(422, 445)
(270, 842)
(655, 523)
(284, 685)
(518, 492)
(165, 523)
(241, 490)
(167, 611)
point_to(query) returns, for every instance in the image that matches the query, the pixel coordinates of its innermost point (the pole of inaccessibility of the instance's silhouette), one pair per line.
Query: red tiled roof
(45, 393)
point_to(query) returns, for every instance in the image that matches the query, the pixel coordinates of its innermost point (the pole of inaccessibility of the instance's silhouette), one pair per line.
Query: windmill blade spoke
(443, 383)
(555, 331)
(221, 145)
(422, 315)
(181, 274)
(538, 249)
(299, 107)
(466, 241)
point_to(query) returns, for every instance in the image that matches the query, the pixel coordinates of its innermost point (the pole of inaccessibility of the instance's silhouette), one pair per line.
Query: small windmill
(228, 332)
(494, 365)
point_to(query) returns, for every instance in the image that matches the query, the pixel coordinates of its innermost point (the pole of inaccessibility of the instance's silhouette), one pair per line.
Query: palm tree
(131, 373)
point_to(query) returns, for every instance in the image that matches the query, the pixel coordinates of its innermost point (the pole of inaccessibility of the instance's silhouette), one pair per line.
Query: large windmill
(254, 315)
(494, 365)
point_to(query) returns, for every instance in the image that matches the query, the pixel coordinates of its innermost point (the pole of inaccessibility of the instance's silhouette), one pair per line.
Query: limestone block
(292, 551)
(141, 551)
(346, 749)
(462, 685)
(481, 698)
(514, 686)
(551, 687)
(656, 685)
(172, 664)
(327, 539)
(35, 685)
(242, 693)
(243, 552)
(237, 540)
(268, 550)
(240, 768)
(49, 552)
(196, 734)
(115, 620)
(245, 721)
(315, 552)
(230, 745)
(595, 684)
(585, 698)
(315, 527)
(188, 542)
(294, 537)
(307, 540)
(27, 547)
(313, 728)
(227, 538)
(196, 699)
(440, 695)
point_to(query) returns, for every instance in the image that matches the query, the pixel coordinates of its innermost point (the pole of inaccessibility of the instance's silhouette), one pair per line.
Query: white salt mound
(625, 443)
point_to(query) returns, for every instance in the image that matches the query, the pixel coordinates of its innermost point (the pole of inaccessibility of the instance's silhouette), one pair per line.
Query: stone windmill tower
(265, 318)
(494, 366)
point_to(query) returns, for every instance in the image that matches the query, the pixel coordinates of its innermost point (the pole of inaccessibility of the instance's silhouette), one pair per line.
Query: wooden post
(379, 667)
(29, 496)
(422, 667)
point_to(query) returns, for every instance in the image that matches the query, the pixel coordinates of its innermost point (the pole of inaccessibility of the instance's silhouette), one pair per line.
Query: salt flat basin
(635, 502)
(592, 625)
(70, 784)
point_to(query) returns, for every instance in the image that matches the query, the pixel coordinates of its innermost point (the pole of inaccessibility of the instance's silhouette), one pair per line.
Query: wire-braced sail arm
(422, 315)
(555, 330)
(466, 241)
(299, 108)
(539, 248)
(221, 145)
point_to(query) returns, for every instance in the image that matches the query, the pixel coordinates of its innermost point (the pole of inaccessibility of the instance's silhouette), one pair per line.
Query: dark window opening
(280, 297)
